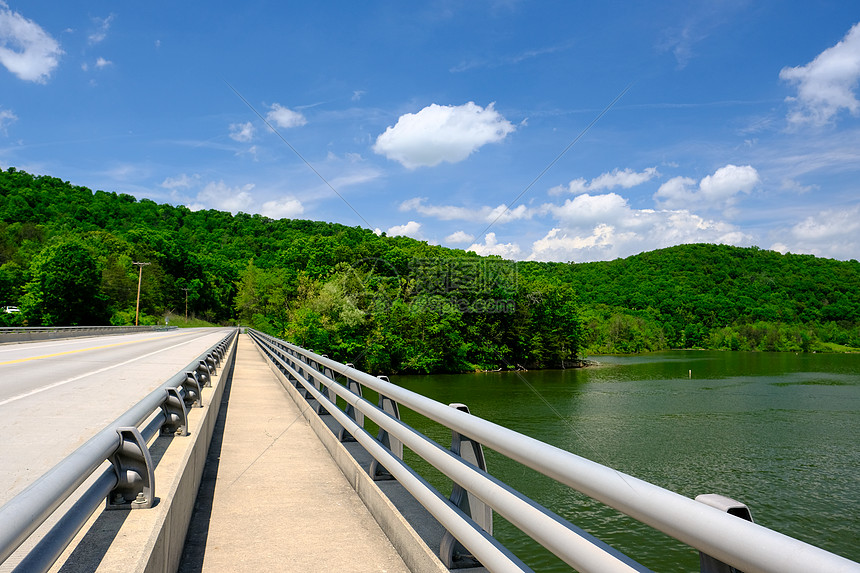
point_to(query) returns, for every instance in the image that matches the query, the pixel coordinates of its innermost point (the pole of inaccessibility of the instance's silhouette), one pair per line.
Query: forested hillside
(714, 296)
(387, 304)
(392, 304)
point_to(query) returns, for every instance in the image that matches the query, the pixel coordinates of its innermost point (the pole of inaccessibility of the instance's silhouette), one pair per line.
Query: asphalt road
(55, 395)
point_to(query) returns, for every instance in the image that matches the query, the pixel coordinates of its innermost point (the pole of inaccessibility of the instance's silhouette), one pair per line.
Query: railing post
(451, 552)
(390, 407)
(708, 564)
(193, 393)
(354, 387)
(135, 473)
(175, 414)
(204, 375)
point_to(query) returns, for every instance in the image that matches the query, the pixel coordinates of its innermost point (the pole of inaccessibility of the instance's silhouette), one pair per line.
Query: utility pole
(186, 302)
(139, 279)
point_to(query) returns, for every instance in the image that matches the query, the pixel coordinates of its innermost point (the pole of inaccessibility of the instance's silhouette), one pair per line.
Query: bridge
(232, 452)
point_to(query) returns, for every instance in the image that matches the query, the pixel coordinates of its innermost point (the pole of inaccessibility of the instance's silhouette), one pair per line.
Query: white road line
(60, 342)
(99, 371)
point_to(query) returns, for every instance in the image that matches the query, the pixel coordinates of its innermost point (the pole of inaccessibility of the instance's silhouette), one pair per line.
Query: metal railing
(714, 529)
(128, 483)
(29, 333)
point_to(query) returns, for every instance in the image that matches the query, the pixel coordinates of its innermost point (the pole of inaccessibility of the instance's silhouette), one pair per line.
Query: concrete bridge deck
(272, 498)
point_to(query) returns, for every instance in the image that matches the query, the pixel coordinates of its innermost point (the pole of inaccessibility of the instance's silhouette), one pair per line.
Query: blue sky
(481, 125)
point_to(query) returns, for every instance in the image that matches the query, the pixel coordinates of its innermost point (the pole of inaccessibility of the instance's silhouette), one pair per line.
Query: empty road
(55, 395)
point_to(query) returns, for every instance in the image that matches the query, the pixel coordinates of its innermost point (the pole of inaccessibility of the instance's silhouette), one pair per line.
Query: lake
(776, 431)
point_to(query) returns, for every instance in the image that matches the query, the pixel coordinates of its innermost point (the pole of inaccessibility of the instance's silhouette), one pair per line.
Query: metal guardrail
(709, 524)
(129, 481)
(29, 333)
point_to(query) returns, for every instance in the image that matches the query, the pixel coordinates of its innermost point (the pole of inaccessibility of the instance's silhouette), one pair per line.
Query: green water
(777, 431)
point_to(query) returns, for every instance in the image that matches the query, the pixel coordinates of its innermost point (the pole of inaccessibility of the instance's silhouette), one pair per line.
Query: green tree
(64, 288)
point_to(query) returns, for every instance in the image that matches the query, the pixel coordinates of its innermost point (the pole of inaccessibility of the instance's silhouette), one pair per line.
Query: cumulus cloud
(440, 133)
(828, 233)
(26, 49)
(459, 237)
(499, 214)
(410, 229)
(625, 179)
(103, 63)
(587, 210)
(602, 227)
(827, 84)
(719, 190)
(492, 246)
(242, 132)
(283, 208)
(222, 197)
(6, 117)
(285, 117)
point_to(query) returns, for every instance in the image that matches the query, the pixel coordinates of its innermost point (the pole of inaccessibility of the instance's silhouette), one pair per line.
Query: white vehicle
(11, 309)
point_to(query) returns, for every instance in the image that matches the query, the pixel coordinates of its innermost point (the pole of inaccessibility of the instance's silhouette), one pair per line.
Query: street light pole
(139, 279)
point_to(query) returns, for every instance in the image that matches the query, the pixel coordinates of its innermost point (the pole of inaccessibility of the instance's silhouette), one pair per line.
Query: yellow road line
(19, 360)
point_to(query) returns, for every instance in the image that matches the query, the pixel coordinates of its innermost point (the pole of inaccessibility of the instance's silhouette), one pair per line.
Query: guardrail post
(377, 471)
(204, 375)
(210, 362)
(350, 411)
(176, 416)
(708, 564)
(452, 553)
(135, 473)
(193, 394)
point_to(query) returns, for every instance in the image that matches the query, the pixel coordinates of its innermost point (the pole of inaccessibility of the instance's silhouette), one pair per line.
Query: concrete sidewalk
(272, 498)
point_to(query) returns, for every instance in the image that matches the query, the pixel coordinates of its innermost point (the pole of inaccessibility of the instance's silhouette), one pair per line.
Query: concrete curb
(163, 549)
(412, 549)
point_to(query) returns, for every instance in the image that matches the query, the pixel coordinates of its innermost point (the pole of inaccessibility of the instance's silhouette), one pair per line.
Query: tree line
(394, 304)
(387, 304)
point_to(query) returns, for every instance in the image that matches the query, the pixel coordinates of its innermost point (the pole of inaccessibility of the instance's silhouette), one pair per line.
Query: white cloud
(625, 179)
(410, 229)
(443, 212)
(492, 246)
(26, 49)
(719, 190)
(285, 117)
(602, 227)
(181, 182)
(499, 214)
(358, 177)
(828, 233)
(242, 132)
(826, 85)
(6, 117)
(103, 63)
(790, 184)
(459, 237)
(284, 208)
(102, 27)
(222, 197)
(588, 210)
(440, 133)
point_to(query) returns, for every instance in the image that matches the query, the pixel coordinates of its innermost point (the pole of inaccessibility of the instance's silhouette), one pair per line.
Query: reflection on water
(778, 432)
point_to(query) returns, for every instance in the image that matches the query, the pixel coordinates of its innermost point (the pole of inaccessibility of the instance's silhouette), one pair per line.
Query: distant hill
(719, 296)
(398, 304)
